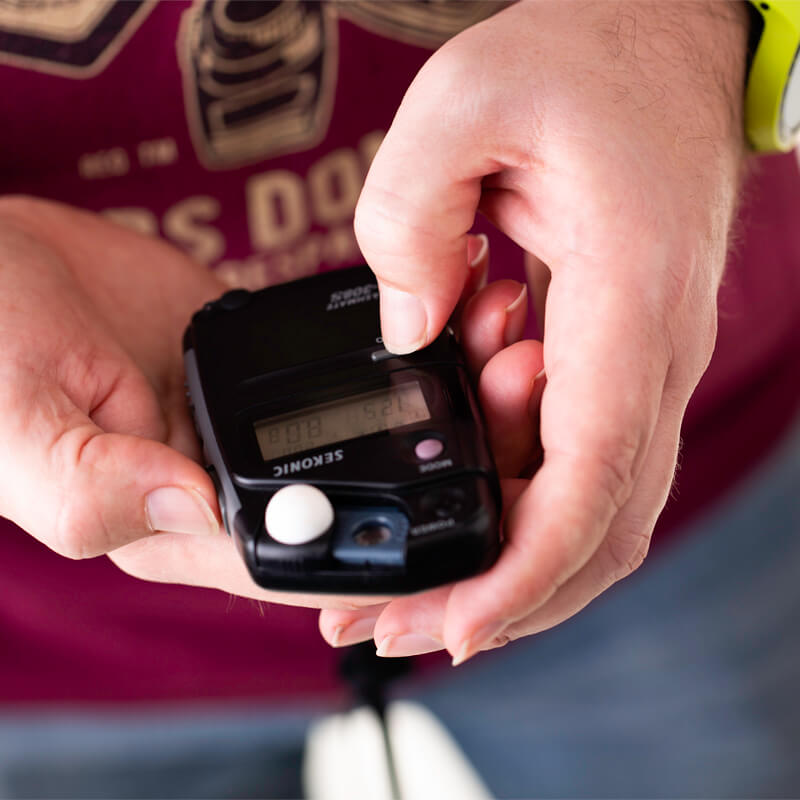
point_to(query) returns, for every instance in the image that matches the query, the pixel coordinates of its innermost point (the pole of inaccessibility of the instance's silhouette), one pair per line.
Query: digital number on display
(350, 418)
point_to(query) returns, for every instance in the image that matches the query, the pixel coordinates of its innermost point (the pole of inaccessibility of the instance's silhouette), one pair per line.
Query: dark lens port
(371, 534)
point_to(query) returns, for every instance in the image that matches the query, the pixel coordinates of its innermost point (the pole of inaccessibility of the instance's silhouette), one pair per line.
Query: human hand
(605, 139)
(97, 450)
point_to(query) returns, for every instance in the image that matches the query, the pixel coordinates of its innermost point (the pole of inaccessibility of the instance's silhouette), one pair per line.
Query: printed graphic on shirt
(295, 222)
(259, 77)
(427, 23)
(258, 80)
(76, 38)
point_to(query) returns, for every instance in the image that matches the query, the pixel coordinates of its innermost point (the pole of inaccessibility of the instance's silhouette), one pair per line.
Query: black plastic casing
(253, 356)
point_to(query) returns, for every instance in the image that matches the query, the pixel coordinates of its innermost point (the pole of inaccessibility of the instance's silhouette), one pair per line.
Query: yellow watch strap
(769, 75)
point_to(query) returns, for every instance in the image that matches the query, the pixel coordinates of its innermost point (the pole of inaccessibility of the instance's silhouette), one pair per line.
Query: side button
(381, 355)
(234, 299)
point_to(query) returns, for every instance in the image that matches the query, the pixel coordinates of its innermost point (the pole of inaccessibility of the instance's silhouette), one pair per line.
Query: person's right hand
(97, 450)
(95, 447)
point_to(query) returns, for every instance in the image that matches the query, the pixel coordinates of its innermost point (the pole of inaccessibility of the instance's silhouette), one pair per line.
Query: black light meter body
(291, 385)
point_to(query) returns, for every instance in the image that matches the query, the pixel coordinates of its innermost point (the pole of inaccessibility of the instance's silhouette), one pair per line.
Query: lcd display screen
(349, 418)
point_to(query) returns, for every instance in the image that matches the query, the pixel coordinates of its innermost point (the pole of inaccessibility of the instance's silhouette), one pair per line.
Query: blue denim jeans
(682, 681)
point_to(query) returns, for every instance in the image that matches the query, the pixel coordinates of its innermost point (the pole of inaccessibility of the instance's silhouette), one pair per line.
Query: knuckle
(70, 533)
(385, 216)
(500, 640)
(704, 339)
(690, 317)
(378, 213)
(626, 551)
(79, 530)
(618, 462)
(440, 80)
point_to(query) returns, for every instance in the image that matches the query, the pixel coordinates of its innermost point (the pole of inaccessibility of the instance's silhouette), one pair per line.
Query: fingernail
(403, 320)
(409, 644)
(515, 323)
(476, 249)
(172, 509)
(357, 631)
(478, 641)
(537, 388)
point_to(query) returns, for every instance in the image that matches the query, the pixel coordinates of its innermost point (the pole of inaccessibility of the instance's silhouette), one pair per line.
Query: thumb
(418, 202)
(84, 492)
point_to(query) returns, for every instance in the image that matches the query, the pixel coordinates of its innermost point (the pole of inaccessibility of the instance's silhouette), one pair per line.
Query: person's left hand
(606, 140)
(508, 371)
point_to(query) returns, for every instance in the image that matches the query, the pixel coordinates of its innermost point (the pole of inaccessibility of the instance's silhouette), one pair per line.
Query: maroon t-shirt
(242, 133)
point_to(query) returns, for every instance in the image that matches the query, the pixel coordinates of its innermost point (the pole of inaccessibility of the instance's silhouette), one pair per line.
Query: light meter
(340, 467)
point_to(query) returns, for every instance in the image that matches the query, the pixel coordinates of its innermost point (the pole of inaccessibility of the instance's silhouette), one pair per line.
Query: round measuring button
(428, 449)
(298, 514)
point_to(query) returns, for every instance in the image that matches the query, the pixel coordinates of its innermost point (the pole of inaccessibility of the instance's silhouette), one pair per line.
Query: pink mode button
(428, 449)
